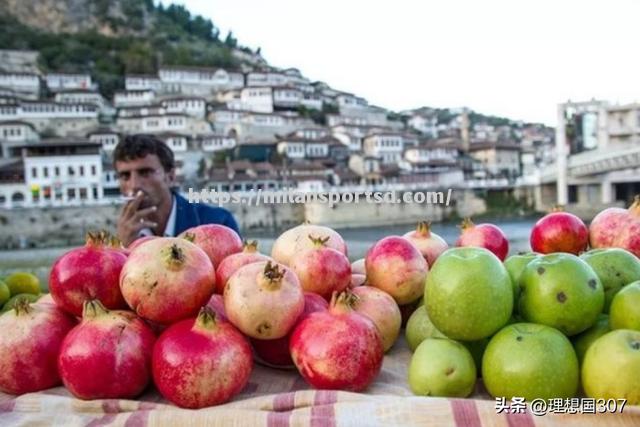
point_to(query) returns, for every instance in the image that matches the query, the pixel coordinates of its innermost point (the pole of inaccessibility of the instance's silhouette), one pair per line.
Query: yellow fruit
(23, 283)
(5, 293)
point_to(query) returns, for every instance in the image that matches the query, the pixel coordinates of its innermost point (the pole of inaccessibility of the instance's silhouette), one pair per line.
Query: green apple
(583, 340)
(419, 328)
(611, 367)
(22, 282)
(616, 267)
(531, 361)
(562, 291)
(442, 367)
(515, 264)
(5, 293)
(625, 308)
(468, 294)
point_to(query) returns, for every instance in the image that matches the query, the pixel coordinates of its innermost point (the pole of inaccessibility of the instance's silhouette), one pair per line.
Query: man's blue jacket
(193, 214)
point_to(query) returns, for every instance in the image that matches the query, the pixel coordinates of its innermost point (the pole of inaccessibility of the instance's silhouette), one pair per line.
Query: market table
(281, 398)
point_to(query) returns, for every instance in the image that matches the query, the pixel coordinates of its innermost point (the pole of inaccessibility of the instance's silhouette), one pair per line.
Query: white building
(80, 96)
(163, 123)
(62, 119)
(198, 81)
(427, 125)
(57, 82)
(498, 158)
(133, 98)
(14, 134)
(260, 78)
(192, 106)
(386, 146)
(348, 102)
(142, 82)
(24, 85)
(213, 143)
(256, 99)
(105, 137)
(286, 97)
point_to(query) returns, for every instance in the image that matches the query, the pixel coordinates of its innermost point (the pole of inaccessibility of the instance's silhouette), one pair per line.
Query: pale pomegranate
(167, 279)
(395, 265)
(486, 236)
(108, 355)
(87, 273)
(296, 240)
(617, 228)
(559, 232)
(216, 303)
(380, 307)
(201, 362)
(337, 349)
(357, 280)
(263, 300)
(30, 339)
(275, 353)
(428, 243)
(233, 262)
(216, 240)
(321, 269)
(139, 241)
(357, 267)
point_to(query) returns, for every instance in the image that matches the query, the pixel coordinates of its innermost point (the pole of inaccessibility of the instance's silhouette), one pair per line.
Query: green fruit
(442, 367)
(611, 367)
(515, 264)
(562, 291)
(468, 294)
(5, 293)
(625, 308)
(23, 283)
(419, 328)
(615, 267)
(530, 361)
(583, 341)
(14, 299)
(477, 349)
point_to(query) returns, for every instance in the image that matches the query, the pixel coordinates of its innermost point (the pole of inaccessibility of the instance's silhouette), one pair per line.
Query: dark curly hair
(137, 146)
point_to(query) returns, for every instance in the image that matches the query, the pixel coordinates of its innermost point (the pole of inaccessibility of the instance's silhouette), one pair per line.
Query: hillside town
(237, 130)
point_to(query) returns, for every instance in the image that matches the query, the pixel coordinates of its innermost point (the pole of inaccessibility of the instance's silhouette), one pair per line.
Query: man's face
(147, 175)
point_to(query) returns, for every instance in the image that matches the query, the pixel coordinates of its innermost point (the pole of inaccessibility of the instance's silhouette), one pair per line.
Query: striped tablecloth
(281, 398)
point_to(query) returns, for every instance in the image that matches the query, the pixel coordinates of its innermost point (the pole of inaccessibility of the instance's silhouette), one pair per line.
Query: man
(145, 169)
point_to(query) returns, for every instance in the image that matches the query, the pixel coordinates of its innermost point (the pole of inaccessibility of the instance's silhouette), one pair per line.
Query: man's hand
(132, 220)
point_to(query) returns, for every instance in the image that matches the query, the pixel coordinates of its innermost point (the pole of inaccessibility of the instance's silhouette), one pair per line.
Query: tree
(230, 41)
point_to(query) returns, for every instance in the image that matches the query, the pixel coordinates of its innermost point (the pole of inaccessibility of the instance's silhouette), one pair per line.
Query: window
(81, 170)
(57, 171)
(45, 172)
(93, 170)
(34, 172)
(70, 171)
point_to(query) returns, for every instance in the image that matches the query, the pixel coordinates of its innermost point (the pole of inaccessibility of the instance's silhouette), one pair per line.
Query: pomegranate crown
(207, 319)
(273, 273)
(319, 241)
(250, 246)
(22, 305)
(424, 228)
(466, 223)
(92, 309)
(102, 238)
(343, 301)
(190, 237)
(635, 206)
(557, 208)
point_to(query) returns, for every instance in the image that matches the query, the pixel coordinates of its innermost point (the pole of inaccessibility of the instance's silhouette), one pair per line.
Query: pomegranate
(139, 241)
(263, 300)
(486, 236)
(428, 243)
(87, 273)
(357, 266)
(617, 228)
(296, 240)
(233, 262)
(108, 355)
(395, 266)
(338, 348)
(167, 279)
(216, 303)
(380, 307)
(321, 269)
(30, 342)
(275, 353)
(407, 310)
(216, 240)
(357, 280)
(201, 362)
(559, 232)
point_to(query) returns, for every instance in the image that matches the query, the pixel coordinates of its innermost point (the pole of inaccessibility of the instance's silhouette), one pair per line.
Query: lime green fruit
(23, 283)
(531, 361)
(5, 293)
(442, 367)
(615, 267)
(583, 341)
(468, 294)
(14, 299)
(611, 367)
(515, 265)
(477, 349)
(625, 308)
(419, 328)
(562, 291)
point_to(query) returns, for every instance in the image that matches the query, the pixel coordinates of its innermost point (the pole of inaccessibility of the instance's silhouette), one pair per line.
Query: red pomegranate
(395, 266)
(30, 339)
(428, 243)
(167, 279)
(275, 353)
(321, 269)
(486, 236)
(233, 262)
(87, 273)
(380, 307)
(108, 355)
(139, 241)
(357, 280)
(216, 303)
(617, 228)
(296, 240)
(338, 348)
(559, 232)
(216, 240)
(201, 362)
(263, 300)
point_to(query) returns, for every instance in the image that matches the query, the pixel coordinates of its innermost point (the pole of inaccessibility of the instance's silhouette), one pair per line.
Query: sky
(517, 59)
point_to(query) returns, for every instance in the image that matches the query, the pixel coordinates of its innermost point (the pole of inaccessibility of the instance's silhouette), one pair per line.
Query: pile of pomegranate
(192, 314)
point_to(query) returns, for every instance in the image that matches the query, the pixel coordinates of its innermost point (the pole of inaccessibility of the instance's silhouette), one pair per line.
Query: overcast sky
(517, 59)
